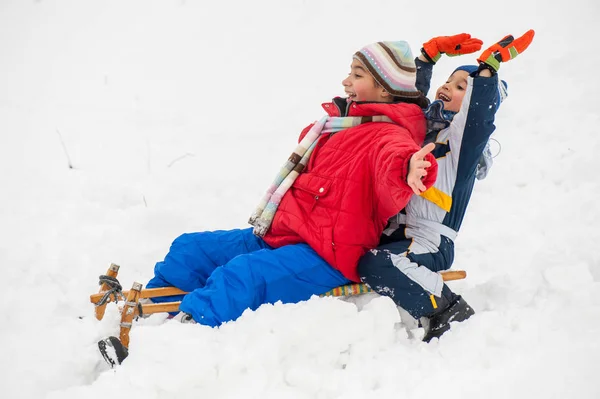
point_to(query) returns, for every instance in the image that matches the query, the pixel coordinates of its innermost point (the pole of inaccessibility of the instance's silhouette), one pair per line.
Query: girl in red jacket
(328, 205)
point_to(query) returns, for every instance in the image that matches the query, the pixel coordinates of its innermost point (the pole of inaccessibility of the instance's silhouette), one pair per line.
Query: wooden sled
(110, 291)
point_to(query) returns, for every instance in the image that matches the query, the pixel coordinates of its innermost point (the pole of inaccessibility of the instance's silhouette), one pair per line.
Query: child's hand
(417, 169)
(459, 44)
(505, 50)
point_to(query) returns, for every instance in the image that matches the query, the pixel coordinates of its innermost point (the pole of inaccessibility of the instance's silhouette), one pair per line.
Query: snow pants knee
(408, 278)
(227, 272)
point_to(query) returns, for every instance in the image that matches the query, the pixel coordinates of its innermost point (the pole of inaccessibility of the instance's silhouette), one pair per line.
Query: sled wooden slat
(160, 307)
(164, 291)
(450, 275)
(128, 312)
(145, 293)
(360, 288)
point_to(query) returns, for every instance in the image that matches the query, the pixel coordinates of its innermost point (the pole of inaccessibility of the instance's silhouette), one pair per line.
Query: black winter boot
(112, 351)
(438, 323)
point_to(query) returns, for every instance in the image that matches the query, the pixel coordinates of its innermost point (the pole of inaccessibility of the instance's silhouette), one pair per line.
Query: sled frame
(132, 307)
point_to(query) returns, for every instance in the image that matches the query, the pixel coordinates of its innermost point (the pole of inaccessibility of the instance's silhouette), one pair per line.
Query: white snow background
(176, 115)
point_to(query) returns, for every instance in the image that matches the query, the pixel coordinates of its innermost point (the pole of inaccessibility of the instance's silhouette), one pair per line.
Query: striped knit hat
(393, 67)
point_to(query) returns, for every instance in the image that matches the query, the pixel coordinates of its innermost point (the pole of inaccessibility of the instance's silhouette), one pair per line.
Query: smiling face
(453, 91)
(361, 86)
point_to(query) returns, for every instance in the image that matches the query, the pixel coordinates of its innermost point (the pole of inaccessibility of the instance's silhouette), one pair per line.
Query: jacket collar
(406, 115)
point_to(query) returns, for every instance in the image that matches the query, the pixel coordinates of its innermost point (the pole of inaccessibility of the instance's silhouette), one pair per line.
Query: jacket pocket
(312, 188)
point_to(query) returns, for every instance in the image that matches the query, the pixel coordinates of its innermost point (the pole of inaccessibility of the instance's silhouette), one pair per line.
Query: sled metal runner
(110, 291)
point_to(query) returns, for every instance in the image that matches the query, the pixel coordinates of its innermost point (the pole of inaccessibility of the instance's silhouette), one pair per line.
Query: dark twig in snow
(64, 148)
(187, 154)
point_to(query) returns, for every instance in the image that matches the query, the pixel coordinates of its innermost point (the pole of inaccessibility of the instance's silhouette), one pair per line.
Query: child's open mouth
(444, 97)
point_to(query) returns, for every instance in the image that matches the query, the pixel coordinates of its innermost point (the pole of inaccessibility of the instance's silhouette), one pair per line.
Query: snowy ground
(174, 116)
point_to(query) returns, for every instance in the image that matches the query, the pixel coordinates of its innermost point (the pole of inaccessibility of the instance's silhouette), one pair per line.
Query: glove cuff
(483, 65)
(491, 61)
(432, 60)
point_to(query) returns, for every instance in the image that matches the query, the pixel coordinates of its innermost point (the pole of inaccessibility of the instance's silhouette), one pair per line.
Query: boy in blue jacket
(419, 241)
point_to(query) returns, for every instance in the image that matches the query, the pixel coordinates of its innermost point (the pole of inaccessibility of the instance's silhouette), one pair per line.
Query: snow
(175, 115)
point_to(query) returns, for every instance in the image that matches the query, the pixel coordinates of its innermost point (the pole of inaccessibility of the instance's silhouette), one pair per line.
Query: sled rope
(115, 289)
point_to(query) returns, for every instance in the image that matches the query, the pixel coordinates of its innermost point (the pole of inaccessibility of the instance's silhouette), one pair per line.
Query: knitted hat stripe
(389, 69)
(406, 90)
(390, 54)
(374, 73)
(392, 65)
(394, 91)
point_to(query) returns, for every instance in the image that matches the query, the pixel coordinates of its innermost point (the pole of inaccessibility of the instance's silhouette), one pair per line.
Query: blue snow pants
(227, 272)
(383, 269)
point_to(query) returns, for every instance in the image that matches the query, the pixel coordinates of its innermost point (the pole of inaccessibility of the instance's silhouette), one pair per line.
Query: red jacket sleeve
(390, 168)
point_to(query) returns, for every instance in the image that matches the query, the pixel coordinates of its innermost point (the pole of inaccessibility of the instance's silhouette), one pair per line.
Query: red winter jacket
(354, 182)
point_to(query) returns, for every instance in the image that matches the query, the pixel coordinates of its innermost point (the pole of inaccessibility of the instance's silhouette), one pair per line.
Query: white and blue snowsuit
(229, 271)
(419, 241)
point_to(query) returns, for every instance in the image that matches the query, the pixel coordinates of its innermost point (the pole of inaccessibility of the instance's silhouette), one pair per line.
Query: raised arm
(432, 51)
(486, 84)
(473, 125)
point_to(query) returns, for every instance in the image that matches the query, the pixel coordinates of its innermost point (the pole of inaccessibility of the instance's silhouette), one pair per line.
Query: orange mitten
(454, 45)
(505, 50)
